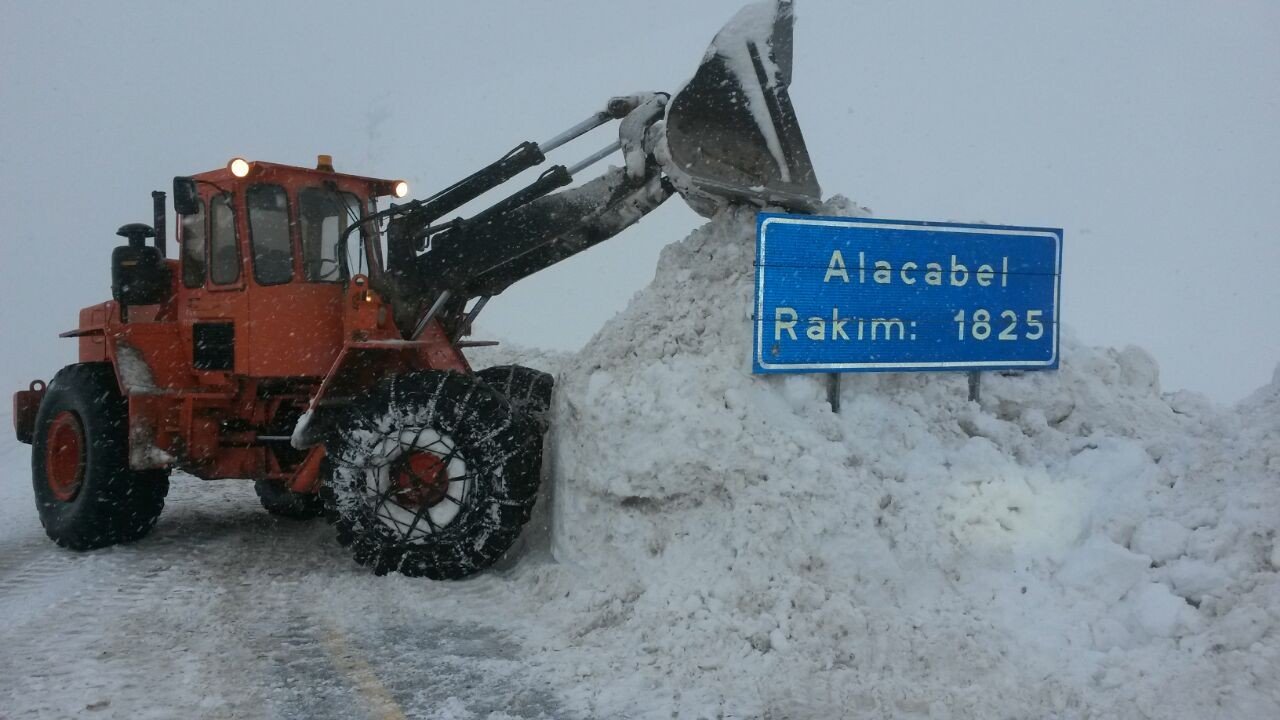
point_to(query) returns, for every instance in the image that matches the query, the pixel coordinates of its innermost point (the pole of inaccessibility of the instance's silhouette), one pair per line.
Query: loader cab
(261, 269)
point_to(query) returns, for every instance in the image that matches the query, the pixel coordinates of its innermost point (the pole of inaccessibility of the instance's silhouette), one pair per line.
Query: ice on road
(227, 612)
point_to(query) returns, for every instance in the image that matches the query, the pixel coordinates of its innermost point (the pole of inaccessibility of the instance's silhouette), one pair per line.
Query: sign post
(868, 295)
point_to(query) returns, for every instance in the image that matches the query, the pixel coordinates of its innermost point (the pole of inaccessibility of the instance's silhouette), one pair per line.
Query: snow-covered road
(226, 611)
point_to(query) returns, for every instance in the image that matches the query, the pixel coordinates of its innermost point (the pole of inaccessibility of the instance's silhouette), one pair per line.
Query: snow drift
(1078, 544)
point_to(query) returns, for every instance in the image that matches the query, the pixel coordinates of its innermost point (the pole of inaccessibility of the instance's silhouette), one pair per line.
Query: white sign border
(929, 227)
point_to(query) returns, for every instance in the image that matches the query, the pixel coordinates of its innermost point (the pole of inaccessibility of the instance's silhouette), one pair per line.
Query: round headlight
(238, 167)
(400, 189)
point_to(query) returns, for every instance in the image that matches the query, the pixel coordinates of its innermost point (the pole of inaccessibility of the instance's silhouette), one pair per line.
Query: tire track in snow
(225, 611)
(37, 576)
(136, 612)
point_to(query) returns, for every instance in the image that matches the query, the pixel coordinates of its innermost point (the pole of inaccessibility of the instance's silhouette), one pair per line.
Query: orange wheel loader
(310, 331)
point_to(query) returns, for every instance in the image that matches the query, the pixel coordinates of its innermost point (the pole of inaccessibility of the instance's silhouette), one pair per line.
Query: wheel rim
(422, 479)
(421, 485)
(64, 456)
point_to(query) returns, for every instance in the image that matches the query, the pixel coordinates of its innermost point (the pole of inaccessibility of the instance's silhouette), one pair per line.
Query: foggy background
(1147, 130)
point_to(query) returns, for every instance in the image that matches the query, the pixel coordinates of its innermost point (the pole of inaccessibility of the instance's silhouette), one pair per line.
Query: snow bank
(1079, 544)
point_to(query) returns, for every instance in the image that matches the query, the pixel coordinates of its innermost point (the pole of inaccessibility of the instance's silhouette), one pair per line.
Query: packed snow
(1077, 544)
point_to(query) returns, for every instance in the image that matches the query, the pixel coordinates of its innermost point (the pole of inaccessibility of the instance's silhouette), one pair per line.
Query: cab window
(269, 234)
(224, 256)
(324, 215)
(193, 248)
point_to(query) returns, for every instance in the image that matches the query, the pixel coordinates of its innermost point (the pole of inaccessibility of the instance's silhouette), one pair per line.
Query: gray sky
(1147, 130)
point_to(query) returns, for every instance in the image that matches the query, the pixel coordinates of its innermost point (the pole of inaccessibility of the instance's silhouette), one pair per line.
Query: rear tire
(432, 474)
(282, 502)
(527, 389)
(86, 494)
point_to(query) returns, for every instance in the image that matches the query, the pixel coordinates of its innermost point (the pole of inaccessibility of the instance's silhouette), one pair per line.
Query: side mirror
(186, 200)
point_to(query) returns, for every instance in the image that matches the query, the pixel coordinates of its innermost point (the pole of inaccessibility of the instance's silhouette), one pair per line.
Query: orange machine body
(217, 376)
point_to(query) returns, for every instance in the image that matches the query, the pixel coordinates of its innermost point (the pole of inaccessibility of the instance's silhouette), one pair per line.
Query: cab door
(295, 306)
(213, 307)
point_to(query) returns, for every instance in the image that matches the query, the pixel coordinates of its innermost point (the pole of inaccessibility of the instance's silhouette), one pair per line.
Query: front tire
(86, 494)
(526, 389)
(432, 474)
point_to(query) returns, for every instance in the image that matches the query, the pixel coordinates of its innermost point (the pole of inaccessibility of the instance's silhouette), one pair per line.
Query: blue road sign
(858, 294)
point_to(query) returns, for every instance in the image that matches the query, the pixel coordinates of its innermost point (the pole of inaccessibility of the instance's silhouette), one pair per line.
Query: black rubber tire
(502, 450)
(114, 504)
(282, 502)
(527, 389)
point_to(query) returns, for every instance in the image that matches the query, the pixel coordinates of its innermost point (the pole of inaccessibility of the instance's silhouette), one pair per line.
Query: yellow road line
(360, 672)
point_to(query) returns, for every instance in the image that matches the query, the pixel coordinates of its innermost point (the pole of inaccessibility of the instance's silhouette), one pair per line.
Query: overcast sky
(1147, 130)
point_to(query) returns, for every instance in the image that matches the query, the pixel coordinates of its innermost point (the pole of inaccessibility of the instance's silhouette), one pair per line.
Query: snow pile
(1076, 545)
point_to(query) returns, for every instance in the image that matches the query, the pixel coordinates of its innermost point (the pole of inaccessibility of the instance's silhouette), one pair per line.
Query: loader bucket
(731, 131)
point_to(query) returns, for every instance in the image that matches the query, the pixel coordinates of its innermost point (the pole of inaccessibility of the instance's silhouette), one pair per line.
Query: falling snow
(1077, 544)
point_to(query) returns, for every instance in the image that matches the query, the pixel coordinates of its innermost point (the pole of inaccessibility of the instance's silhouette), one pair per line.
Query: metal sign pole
(833, 391)
(975, 386)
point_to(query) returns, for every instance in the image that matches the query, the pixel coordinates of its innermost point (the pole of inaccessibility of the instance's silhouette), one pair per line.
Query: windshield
(324, 215)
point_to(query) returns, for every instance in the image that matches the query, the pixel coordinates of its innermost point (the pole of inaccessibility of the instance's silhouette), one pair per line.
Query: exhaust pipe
(158, 210)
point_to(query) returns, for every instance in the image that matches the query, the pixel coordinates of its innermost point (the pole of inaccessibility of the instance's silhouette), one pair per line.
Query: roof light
(238, 167)
(400, 188)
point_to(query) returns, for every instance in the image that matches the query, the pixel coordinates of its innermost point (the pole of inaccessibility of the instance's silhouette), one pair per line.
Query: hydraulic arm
(434, 268)
(412, 222)
(730, 135)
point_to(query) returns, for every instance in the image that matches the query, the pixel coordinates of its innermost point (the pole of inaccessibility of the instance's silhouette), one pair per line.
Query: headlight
(238, 167)
(400, 189)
